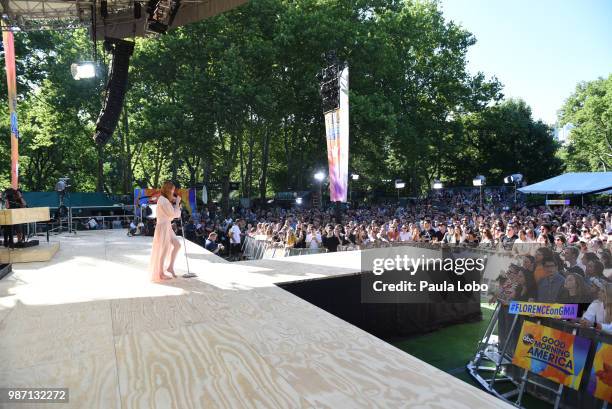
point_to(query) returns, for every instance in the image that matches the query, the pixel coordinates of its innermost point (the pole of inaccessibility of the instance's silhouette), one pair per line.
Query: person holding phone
(165, 243)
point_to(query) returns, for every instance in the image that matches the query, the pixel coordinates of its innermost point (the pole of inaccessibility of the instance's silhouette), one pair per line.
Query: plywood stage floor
(91, 321)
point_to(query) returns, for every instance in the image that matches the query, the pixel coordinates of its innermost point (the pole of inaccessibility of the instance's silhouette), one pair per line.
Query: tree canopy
(589, 109)
(235, 98)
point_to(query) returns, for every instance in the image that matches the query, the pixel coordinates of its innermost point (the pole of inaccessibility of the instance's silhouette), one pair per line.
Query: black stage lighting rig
(329, 82)
(161, 14)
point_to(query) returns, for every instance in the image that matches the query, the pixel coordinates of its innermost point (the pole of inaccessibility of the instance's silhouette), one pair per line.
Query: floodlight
(354, 176)
(298, 201)
(437, 184)
(479, 181)
(399, 184)
(85, 69)
(319, 176)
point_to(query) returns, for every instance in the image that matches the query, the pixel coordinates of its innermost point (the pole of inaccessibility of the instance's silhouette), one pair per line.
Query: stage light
(319, 176)
(85, 69)
(515, 178)
(479, 181)
(161, 14)
(399, 184)
(298, 201)
(62, 184)
(437, 185)
(354, 176)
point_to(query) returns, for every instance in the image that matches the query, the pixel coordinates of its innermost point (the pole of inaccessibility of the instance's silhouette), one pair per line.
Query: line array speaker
(115, 89)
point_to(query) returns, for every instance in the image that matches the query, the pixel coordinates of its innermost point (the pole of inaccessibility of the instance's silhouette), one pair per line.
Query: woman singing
(165, 243)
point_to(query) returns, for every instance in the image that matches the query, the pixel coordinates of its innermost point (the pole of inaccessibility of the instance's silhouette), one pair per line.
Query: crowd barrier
(257, 249)
(558, 361)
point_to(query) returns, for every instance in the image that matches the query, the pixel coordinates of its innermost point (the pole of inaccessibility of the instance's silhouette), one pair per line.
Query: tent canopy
(572, 183)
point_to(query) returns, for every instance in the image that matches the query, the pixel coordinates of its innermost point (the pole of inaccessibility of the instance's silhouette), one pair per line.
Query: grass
(450, 349)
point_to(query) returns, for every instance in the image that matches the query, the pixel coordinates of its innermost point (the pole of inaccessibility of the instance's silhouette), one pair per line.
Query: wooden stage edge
(39, 253)
(92, 321)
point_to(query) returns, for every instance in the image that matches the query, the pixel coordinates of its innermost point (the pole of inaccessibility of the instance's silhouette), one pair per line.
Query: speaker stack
(115, 89)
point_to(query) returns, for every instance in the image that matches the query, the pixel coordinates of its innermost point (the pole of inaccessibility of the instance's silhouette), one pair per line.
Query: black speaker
(104, 8)
(115, 89)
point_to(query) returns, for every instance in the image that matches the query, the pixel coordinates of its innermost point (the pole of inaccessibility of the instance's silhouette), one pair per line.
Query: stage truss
(28, 15)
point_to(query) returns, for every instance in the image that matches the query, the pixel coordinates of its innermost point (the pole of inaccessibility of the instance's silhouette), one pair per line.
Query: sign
(337, 135)
(552, 354)
(558, 202)
(600, 382)
(538, 309)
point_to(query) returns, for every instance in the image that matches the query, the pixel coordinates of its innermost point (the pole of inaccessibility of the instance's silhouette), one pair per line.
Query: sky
(539, 49)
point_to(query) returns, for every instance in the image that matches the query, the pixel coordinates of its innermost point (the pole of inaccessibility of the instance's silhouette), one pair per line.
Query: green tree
(589, 109)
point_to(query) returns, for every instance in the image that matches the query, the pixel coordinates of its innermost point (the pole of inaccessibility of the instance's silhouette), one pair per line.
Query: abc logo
(528, 339)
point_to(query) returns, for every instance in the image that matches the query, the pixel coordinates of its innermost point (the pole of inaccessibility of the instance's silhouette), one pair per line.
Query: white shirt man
(313, 240)
(596, 313)
(235, 234)
(92, 223)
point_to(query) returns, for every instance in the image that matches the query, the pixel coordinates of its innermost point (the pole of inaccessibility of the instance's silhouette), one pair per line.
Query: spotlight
(85, 69)
(161, 14)
(515, 178)
(437, 185)
(62, 184)
(479, 181)
(319, 176)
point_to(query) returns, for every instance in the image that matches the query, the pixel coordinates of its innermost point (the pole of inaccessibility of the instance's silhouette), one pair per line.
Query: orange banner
(600, 383)
(553, 354)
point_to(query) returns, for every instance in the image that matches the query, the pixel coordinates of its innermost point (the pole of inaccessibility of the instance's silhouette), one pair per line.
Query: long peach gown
(163, 237)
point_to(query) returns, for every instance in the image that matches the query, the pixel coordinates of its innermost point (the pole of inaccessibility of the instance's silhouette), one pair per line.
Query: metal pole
(189, 273)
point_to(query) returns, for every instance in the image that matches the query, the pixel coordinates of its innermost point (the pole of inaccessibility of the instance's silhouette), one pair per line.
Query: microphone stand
(189, 274)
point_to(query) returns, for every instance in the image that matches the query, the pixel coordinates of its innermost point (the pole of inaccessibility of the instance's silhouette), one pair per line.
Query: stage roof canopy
(28, 15)
(573, 183)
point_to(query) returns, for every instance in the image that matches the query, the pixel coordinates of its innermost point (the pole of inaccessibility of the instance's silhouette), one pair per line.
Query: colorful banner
(11, 79)
(600, 382)
(337, 135)
(553, 354)
(149, 196)
(538, 309)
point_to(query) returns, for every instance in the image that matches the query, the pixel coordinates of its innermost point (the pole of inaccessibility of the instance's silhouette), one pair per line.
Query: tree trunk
(265, 153)
(249, 176)
(128, 177)
(100, 180)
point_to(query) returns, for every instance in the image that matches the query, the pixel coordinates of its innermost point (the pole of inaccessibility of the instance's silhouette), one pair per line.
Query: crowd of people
(563, 253)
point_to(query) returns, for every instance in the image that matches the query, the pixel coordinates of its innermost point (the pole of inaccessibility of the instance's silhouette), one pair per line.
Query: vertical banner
(11, 79)
(337, 135)
(552, 354)
(600, 382)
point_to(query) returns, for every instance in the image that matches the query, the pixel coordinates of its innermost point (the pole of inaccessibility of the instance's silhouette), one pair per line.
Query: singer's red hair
(166, 190)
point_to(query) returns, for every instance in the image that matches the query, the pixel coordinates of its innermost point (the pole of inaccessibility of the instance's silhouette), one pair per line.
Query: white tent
(578, 183)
